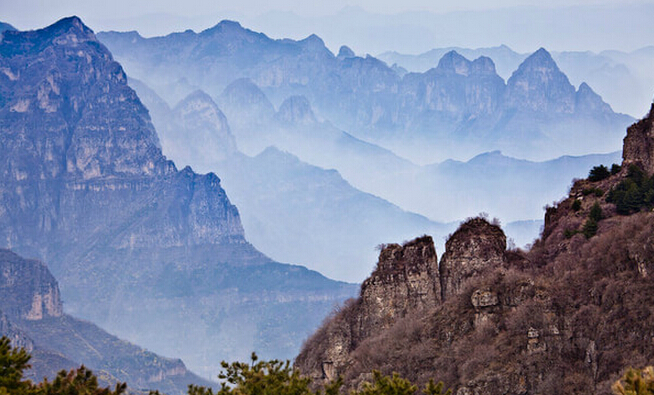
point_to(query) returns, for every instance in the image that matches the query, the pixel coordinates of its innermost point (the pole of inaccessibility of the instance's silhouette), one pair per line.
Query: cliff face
(475, 247)
(71, 100)
(568, 316)
(75, 135)
(639, 144)
(405, 280)
(405, 283)
(31, 316)
(134, 242)
(29, 290)
(538, 85)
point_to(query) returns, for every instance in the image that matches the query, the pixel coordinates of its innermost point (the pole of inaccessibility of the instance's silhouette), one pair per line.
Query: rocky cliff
(29, 290)
(406, 283)
(567, 316)
(639, 144)
(474, 248)
(29, 295)
(138, 246)
(407, 277)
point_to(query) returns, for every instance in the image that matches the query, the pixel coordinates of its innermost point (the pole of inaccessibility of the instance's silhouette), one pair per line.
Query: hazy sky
(33, 13)
(364, 24)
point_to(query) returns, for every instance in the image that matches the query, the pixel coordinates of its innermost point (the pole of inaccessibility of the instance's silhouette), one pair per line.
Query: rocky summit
(567, 316)
(138, 246)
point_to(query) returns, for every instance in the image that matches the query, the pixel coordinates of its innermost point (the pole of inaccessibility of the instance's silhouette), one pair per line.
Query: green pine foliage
(634, 193)
(80, 381)
(595, 212)
(396, 385)
(598, 173)
(436, 388)
(590, 228)
(258, 378)
(615, 169)
(14, 361)
(385, 385)
(280, 378)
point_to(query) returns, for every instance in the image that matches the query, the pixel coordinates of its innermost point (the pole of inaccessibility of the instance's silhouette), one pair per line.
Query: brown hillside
(565, 317)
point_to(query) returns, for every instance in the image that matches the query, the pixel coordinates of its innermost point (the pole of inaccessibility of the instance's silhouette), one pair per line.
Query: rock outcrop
(639, 144)
(16, 336)
(345, 52)
(406, 284)
(405, 280)
(474, 248)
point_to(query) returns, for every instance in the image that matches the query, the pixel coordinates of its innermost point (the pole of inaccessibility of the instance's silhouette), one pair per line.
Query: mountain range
(511, 189)
(141, 247)
(458, 106)
(138, 247)
(621, 78)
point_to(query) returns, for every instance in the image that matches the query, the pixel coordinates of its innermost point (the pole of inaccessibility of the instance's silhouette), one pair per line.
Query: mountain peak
(231, 31)
(345, 52)
(297, 110)
(243, 93)
(226, 25)
(313, 43)
(584, 87)
(5, 26)
(540, 58)
(70, 31)
(197, 117)
(454, 63)
(72, 25)
(589, 102)
(198, 95)
(539, 85)
(483, 65)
